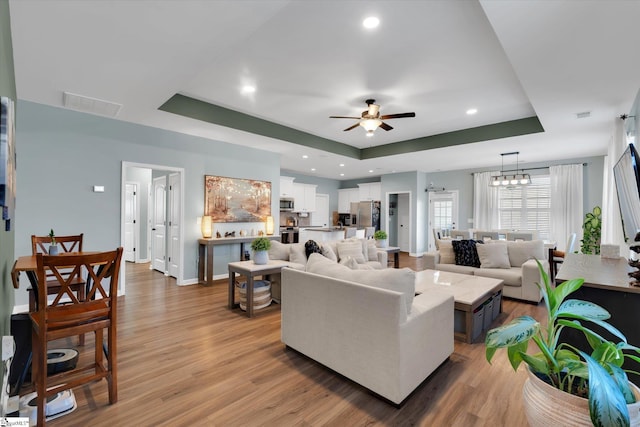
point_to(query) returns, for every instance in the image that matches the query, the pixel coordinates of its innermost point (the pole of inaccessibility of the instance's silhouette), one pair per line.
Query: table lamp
(205, 227)
(269, 226)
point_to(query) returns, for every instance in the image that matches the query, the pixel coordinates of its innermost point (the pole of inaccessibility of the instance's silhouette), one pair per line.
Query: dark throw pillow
(466, 253)
(311, 247)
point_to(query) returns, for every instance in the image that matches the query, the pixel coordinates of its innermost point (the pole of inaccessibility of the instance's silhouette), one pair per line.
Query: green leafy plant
(261, 244)
(591, 231)
(53, 237)
(380, 235)
(598, 376)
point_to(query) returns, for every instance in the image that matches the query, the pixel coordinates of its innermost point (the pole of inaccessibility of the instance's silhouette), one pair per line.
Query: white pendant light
(517, 179)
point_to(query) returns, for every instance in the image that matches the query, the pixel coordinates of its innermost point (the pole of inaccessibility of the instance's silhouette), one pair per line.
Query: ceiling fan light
(369, 133)
(370, 124)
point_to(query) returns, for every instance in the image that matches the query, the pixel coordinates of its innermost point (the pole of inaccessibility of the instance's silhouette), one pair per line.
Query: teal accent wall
(7, 255)
(76, 151)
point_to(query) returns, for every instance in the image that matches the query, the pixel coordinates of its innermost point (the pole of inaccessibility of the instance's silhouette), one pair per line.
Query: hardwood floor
(185, 359)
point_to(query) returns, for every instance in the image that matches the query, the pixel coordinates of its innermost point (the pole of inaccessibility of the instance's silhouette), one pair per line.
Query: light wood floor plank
(185, 359)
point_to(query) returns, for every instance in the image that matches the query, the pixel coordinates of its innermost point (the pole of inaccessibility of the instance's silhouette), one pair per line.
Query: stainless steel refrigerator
(365, 214)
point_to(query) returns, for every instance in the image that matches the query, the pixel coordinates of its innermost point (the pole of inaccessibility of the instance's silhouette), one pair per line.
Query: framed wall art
(236, 200)
(7, 161)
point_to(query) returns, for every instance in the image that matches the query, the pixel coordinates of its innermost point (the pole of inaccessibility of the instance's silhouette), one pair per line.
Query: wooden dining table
(28, 264)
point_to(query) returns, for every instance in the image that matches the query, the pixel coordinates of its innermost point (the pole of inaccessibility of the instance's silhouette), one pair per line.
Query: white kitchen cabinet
(346, 196)
(286, 187)
(304, 197)
(369, 191)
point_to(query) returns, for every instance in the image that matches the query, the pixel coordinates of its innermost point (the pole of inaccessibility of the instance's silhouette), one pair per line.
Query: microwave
(286, 204)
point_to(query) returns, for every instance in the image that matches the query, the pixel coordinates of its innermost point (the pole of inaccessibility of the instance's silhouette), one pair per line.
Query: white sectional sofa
(367, 325)
(360, 253)
(512, 262)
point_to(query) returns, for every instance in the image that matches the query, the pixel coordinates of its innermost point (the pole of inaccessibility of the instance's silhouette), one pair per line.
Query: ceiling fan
(371, 118)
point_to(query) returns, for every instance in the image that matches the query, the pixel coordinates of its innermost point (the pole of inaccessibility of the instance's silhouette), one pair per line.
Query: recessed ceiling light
(341, 174)
(370, 170)
(305, 156)
(313, 169)
(248, 89)
(472, 111)
(371, 22)
(341, 165)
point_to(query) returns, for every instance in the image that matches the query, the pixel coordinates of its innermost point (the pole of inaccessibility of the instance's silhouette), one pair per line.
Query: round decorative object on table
(261, 294)
(382, 243)
(261, 257)
(53, 250)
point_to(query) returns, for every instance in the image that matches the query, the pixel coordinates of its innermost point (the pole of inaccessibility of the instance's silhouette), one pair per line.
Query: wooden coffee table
(469, 293)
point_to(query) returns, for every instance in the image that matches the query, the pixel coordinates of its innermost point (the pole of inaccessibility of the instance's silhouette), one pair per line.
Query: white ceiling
(312, 59)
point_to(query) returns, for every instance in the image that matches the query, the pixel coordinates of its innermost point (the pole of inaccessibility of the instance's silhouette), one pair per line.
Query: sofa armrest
(531, 276)
(383, 258)
(431, 259)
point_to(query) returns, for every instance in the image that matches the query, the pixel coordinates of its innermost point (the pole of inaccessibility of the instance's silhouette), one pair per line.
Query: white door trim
(125, 165)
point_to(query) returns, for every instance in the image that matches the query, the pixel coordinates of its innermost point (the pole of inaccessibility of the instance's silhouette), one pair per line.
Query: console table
(606, 283)
(205, 250)
(395, 250)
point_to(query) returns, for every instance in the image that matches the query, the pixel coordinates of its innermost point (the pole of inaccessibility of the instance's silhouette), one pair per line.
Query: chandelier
(505, 180)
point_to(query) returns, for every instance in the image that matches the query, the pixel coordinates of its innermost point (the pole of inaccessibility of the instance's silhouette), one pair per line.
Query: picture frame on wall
(236, 199)
(7, 160)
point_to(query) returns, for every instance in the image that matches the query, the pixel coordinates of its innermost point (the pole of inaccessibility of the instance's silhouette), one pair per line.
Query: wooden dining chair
(59, 320)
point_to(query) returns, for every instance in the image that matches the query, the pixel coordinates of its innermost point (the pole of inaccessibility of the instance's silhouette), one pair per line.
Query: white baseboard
(189, 282)
(416, 254)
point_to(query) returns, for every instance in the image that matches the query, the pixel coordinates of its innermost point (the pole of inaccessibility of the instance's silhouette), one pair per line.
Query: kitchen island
(321, 234)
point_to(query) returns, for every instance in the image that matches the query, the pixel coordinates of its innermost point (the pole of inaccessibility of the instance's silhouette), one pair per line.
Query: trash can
(261, 294)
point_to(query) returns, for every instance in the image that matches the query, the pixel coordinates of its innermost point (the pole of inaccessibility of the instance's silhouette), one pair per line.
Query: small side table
(395, 250)
(250, 269)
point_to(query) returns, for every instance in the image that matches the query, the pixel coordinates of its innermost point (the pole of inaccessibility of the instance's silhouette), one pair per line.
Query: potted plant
(561, 370)
(381, 238)
(260, 246)
(591, 230)
(53, 246)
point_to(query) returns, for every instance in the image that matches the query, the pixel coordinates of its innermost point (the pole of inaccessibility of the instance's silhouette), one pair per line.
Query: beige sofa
(512, 262)
(356, 253)
(367, 325)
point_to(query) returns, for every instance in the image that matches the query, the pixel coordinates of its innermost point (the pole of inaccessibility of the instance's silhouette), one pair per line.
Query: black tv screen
(627, 178)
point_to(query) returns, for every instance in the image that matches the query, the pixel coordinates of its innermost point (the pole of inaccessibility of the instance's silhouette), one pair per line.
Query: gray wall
(7, 88)
(75, 151)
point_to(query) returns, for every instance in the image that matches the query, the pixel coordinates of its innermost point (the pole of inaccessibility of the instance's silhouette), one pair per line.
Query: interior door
(130, 221)
(404, 223)
(158, 226)
(174, 224)
(320, 217)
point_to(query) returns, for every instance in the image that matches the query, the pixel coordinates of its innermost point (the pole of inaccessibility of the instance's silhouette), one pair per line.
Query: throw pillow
(328, 252)
(372, 250)
(279, 251)
(399, 280)
(351, 248)
(466, 253)
(521, 252)
(296, 253)
(494, 255)
(446, 252)
(350, 262)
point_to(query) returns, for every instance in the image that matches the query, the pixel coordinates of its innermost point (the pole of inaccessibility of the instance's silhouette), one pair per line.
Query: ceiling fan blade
(344, 117)
(397, 116)
(385, 126)
(352, 127)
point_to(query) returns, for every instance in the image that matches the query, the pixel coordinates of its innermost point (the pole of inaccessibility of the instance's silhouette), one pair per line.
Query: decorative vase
(260, 257)
(382, 243)
(53, 250)
(545, 405)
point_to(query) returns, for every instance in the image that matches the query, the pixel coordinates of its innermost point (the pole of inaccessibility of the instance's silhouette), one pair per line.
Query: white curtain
(611, 223)
(485, 202)
(566, 203)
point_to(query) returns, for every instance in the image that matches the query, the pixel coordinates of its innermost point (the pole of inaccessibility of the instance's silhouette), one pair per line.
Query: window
(527, 207)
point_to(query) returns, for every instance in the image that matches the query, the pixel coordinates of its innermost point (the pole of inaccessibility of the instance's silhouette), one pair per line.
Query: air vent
(91, 105)
(583, 115)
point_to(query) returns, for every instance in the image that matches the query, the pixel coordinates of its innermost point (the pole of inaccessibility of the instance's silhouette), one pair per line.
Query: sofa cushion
(447, 256)
(351, 248)
(398, 280)
(511, 276)
(521, 252)
(328, 252)
(372, 250)
(493, 255)
(466, 253)
(296, 253)
(352, 264)
(279, 251)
